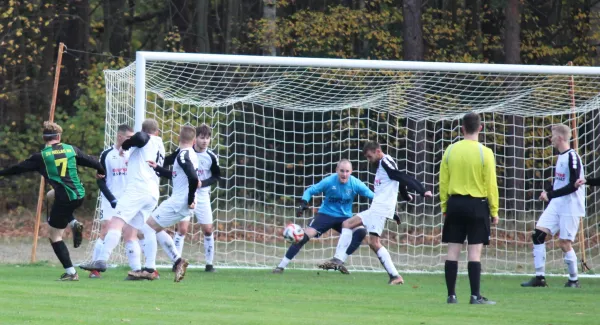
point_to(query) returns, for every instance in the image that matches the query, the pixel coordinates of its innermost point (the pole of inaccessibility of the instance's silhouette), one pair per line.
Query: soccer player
(567, 205)
(340, 189)
(139, 197)
(469, 198)
(175, 208)
(112, 186)
(208, 173)
(57, 163)
(388, 180)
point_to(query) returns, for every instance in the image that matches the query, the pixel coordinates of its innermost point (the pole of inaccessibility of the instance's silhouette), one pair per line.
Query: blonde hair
(51, 131)
(150, 126)
(187, 134)
(562, 130)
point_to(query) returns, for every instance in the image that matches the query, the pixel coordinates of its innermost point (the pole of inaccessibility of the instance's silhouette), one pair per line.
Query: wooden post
(584, 267)
(40, 203)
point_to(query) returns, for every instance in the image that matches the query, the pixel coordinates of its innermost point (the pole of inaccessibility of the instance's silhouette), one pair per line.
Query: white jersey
(185, 163)
(140, 176)
(208, 170)
(116, 170)
(386, 189)
(564, 199)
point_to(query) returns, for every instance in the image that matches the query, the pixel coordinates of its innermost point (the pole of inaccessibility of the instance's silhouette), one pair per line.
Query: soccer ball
(293, 233)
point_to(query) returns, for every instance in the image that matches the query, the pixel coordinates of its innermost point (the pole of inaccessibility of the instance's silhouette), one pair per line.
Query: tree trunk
(270, 15)
(202, 41)
(512, 32)
(412, 30)
(115, 38)
(474, 26)
(233, 23)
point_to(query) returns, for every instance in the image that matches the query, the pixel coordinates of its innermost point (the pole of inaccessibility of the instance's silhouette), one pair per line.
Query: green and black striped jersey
(58, 164)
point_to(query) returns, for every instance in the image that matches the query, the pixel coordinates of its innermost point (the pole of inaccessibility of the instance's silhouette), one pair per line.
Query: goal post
(280, 124)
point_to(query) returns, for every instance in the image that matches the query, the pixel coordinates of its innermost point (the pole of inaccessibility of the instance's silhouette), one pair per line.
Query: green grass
(29, 295)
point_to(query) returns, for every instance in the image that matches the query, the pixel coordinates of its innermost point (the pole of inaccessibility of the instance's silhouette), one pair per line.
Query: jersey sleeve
(183, 159)
(316, 189)
(491, 182)
(101, 182)
(137, 140)
(215, 170)
(574, 172)
(444, 181)
(163, 172)
(88, 161)
(593, 181)
(362, 189)
(33, 163)
(170, 159)
(391, 169)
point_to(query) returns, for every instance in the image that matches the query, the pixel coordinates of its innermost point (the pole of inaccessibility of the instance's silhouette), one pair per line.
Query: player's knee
(304, 240)
(374, 242)
(359, 234)
(538, 237)
(565, 245)
(207, 230)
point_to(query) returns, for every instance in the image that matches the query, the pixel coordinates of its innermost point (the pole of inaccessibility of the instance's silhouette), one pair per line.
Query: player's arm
(444, 181)
(137, 140)
(308, 194)
(363, 190)
(404, 180)
(574, 172)
(588, 181)
(102, 181)
(491, 181)
(188, 168)
(88, 161)
(33, 163)
(215, 170)
(170, 159)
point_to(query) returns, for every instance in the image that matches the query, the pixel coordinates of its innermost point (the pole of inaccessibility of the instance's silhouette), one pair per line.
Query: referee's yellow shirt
(469, 168)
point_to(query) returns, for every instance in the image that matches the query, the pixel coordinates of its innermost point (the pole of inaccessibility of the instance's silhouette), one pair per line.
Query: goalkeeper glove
(397, 219)
(113, 203)
(303, 206)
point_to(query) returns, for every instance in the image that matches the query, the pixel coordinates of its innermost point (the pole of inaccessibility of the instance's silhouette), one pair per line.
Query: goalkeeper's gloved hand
(303, 206)
(113, 203)
(397, 219)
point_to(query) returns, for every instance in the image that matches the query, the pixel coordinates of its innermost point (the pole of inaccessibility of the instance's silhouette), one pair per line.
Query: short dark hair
(371, 146)
(124, 128)
(187, 133)
(150, 126)
(203, 130)
(471, 122)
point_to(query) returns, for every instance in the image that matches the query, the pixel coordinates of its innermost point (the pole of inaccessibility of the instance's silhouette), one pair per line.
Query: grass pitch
(29, 295)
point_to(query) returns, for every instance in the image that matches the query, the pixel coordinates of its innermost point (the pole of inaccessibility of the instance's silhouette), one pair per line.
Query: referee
(469, 196)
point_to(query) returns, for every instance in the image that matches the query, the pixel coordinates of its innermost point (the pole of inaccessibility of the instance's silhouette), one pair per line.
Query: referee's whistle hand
(495, 220)
(544, 196)
(579, 182)
(428, 194)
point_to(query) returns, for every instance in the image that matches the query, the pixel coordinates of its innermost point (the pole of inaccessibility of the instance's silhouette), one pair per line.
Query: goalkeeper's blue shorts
(323, 222)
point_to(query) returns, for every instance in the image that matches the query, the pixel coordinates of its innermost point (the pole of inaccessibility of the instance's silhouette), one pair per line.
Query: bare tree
(512, 32)
(412, 30)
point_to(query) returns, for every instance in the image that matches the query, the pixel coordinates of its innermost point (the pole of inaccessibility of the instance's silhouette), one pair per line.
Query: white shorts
(135, 209)
(170, 212)
(566, 225)
(374, 219)
(106, 211)
(202, 213)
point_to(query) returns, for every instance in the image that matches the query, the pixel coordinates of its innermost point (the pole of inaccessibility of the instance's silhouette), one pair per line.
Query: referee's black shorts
(467, 218)
(62, 213)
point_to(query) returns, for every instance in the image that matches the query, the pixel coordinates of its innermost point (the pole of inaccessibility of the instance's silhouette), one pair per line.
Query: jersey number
(62, 165)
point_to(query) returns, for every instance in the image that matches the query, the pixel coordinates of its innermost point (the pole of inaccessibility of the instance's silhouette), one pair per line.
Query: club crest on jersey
(174, 174)
(333, 188)
(377, 182)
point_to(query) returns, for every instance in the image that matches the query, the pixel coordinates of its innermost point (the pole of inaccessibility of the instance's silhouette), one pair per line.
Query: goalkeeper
(339, 189)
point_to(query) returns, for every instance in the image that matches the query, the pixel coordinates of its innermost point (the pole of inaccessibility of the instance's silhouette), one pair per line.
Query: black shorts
(62, 213)
(323, 222)
(467, 218)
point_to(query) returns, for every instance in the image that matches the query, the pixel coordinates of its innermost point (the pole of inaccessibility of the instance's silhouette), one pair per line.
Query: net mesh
(279, 129)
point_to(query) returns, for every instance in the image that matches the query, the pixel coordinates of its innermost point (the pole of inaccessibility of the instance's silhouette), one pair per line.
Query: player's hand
(113, 203)
(544, 196)
(303, 206)
(495, 220)
(580, 182)
(192, 206)
(98, 176)
(397, 219)
(410, 198)
(428, 194)
(152, 164)
(199, 183)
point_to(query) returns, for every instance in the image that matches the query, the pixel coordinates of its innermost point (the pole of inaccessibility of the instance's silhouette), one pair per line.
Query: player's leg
(132, 249)
(106, 214)
(337, 262)
(547, 225)
(478, 235)
(317, 226)
(204, 216)
(179, 236)
(375, 223)
(569, 225)
(454, 233)
(149, 229)
(358, 234)
(58, 220)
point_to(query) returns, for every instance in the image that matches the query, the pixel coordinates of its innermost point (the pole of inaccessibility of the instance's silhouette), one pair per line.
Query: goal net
(281, 124)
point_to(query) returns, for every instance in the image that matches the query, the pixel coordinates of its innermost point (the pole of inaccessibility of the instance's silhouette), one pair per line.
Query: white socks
(166, 242)
(386, 261)
(343, 243)
(150, 246)
(110, 242)
(98, 247)
(539, 259)
(70, 270)
(284, 262)
(179, 242)
(571, 261)
(132, 249)
(209, 248)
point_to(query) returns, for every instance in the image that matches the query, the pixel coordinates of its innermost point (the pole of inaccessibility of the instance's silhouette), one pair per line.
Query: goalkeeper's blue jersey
(338, 197)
